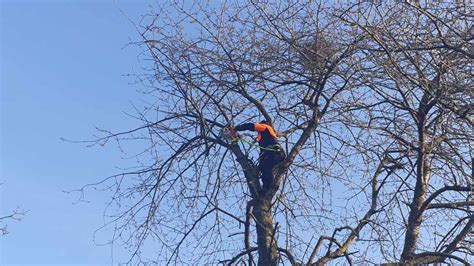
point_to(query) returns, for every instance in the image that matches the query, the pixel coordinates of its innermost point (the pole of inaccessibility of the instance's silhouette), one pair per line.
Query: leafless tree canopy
(372, 100)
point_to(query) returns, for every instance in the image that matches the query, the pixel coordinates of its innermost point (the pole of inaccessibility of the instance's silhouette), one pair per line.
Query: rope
(273, 148)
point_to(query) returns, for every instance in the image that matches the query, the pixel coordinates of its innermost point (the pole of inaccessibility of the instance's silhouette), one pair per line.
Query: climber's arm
(246, 126)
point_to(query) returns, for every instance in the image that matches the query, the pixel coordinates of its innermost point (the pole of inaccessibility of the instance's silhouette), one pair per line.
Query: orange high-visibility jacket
(261, 128)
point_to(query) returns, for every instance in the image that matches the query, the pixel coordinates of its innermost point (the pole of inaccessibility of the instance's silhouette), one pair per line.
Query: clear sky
(63, 67)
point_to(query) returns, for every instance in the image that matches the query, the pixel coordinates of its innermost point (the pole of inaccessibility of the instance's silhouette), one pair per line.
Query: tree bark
(267, 249)
(422, 176)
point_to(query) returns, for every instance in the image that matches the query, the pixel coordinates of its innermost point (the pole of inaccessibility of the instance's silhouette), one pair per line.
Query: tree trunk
(267, 249)
(422, 176)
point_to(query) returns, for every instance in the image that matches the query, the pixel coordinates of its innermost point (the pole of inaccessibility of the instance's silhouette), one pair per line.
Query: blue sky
(63, 71)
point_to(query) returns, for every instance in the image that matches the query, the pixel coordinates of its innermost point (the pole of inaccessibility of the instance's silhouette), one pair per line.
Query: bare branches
(15, 215)
(427, 204)
(374, 104)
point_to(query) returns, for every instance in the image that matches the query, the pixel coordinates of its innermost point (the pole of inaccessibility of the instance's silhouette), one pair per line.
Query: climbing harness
(274, 147)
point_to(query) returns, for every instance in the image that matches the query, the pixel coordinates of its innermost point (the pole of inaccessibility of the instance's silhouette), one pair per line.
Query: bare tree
(372, 103)
(421, 92)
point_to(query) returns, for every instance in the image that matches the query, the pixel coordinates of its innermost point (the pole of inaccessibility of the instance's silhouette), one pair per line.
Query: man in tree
(271, 152)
